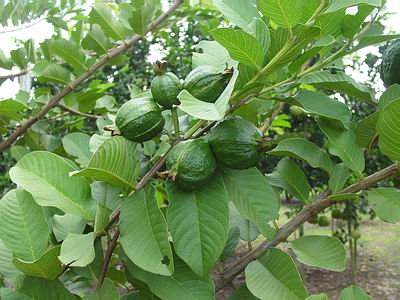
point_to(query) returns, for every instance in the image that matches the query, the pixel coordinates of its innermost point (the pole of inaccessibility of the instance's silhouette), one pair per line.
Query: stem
(12, 76)
(107, 258)
(83, 77)
(175, 120)
(194, 128)
(78, 113)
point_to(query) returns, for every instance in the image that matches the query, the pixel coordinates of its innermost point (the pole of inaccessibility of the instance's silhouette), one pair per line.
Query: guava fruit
(191, 163)
(336, 213)
(207, 83)
(140, 119)
(390, 67)
(323, 221)
(356, 234)
(165, 89)
(235, 143)
(296, 111)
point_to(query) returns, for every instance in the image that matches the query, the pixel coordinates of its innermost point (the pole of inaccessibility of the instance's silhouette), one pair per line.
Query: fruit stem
(195, 127)
(175, 120)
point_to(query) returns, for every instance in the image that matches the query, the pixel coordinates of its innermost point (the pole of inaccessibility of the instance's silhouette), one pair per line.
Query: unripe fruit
(323, 221)
(140, 119)
(207, 83)
(296, 111)
(191, 164)
(235, 143)
(165, 89)
(390, 68)
(355, 234)
(336, 213)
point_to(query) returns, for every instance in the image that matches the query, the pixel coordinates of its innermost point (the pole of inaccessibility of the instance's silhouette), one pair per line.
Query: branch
(12, 76)
(97, 65)
(78, 113)
(107, 258)
(268, 122)
(322, 201)
(23, 27)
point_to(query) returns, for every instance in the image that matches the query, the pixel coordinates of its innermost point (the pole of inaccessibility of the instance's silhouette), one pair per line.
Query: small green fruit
(207, 83)
(390, 67)
(191, 164)
(356, 234)
(323, 221)
(235, 143)
(140, 119)
(296, 111)
(336, 213)
(165, 89)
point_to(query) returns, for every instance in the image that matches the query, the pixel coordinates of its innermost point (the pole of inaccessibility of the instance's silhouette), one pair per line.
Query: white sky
(43, 30)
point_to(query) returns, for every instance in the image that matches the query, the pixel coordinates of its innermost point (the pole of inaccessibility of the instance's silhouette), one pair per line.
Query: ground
(378, 265)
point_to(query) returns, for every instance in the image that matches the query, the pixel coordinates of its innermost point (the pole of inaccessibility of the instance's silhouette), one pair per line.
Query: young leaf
(290, 177)
(353, 292)
(385, 203)
(239, 12)
(199, 223)
(274, 276)
(343, 143)
(285, 13)
(241, 46)
(77, 250)
(338, 178)
(253, 197)
(339, 82)
(43, 289)
(77, 144)
(389, 130)
(304, 150)
(66, 224)
(70, 52)
(49, 72)
(331, 252)
(46, 266)
(148, 247)
(45, 176)
(114, 162)
(23, 227)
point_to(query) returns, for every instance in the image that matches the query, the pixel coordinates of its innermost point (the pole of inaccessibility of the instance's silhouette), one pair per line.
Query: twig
(12, 76)
(87, 74)
(205, 129)
(322, 202)
(78, 113)
(107, 258)
(268, 122)
(23, 27)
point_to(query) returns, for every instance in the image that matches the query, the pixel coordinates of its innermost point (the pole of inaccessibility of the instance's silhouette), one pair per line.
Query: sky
(42, 30)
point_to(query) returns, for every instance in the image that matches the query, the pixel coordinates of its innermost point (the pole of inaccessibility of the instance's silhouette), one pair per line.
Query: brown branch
(89, 72)
(107, 258)
(268, 122)
(78, 113)
(12, 76)
(322, 201)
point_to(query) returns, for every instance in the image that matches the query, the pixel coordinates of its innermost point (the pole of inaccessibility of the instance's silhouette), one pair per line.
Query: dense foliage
(134, 181)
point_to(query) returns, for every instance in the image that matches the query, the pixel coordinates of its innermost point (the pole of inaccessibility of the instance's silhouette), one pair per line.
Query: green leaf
(96, 40)
(239, 12)
(241, 46)
(339, 5)
(46, 176)
(285, 13)
(290, 177)
(204, 110)
(213, 54)
(46, 266)
(23, 227)
(106, 194)
(43, 289)
(366, 130)
(77, 250)
(49, 72)
(12, 295)
(343, 143)
(302, 149)
(330, 23)
(231, 243)
(66, 224)
(253, 197)
(331, 252)
(389, 130)
(148, 247)
(5, 62)
(77, 144)
(199, 223)
(7, 269)
(341, 83)
(113, 162)
(107, 291)
(70, 52)
(351, 24)
(18, 152)
(260, 31)
(182, 285)
(344, 197)
(102, 15)
(353, 292)
(386, 203)
(141, 16)
(247, 230)
(11, 109)
(274, 276)
(242, 293)
(388, 96)
(318, 297)
(19, 56)
(338, 178)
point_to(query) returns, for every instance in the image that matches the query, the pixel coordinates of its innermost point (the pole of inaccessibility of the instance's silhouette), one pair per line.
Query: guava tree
(156, 200)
